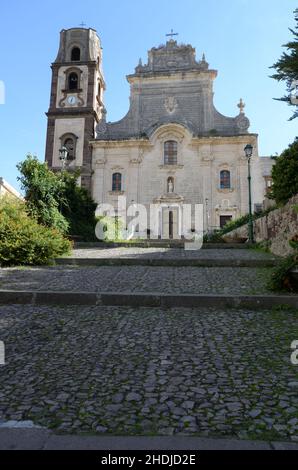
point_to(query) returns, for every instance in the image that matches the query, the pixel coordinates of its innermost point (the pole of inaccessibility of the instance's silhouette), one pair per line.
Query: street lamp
(207, 214)
(63, 154)
(248, 153)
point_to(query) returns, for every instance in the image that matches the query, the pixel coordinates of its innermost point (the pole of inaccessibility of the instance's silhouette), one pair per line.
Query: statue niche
(170, 185)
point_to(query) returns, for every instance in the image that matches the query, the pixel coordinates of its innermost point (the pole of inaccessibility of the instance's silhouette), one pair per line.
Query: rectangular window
(225, 180)
(170, 152)
(224, 219)
(117, 182)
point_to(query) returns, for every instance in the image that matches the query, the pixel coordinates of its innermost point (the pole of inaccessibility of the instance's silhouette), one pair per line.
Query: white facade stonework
(196, 175)
(173, 147)
(7, 190)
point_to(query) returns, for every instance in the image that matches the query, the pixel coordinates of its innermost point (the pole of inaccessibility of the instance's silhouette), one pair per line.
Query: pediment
(169, 131)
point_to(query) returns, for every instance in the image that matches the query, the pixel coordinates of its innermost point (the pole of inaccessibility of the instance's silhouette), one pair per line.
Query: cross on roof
(172, 34)
(241, 105)
(83, 24)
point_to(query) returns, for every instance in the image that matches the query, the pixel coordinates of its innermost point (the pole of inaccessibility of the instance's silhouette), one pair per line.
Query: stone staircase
(227, 276)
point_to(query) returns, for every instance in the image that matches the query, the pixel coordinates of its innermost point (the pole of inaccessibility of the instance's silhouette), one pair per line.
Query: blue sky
(241, 39)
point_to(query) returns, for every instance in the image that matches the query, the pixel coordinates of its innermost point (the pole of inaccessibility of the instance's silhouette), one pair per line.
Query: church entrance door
(170, 225)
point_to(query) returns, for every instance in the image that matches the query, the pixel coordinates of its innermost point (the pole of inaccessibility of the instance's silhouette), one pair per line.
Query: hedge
(23, 241)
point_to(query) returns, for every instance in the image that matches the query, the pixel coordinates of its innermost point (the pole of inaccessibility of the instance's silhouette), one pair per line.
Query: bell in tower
(76, 103)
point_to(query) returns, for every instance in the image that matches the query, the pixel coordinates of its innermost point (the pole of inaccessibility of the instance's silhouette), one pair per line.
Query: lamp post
(63, 154)
(248, 153)
(207, 215)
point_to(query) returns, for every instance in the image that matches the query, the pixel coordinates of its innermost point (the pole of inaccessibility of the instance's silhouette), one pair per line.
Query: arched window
(70, 144)
(117, 182)
(73, 81)
(170, 152)
(76, 54)
(225, 179)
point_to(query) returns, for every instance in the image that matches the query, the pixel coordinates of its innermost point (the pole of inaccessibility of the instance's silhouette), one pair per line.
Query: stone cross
(241, 105)
(172, 34)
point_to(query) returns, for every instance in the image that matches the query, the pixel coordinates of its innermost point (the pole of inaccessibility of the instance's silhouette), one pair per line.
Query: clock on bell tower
(76, 103)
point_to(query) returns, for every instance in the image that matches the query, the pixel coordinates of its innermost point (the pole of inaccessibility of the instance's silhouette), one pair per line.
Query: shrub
(43, 193)
(214, 237)
(281, 278)
(25, 242)
(281, 275)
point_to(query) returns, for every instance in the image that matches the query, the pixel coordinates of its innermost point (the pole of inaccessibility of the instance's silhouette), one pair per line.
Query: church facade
(172, 148)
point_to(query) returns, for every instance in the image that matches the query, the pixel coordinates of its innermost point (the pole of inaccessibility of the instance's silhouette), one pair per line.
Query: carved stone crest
(242, 122)
(171, 104)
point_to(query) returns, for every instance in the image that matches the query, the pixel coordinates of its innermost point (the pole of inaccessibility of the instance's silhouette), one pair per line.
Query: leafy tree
(56, 200)
(43, 193)
(78, 207)
(287, 66)
(285, 174)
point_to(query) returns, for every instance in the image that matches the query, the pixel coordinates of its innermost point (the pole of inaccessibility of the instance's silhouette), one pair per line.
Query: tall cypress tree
(287, 66)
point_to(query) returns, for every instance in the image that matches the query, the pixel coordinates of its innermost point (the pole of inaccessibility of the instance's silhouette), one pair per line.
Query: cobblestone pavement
(148, 371)
(172, 253)
(177, 280)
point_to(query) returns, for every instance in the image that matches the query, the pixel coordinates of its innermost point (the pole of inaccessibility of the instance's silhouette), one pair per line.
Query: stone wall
(278, 227)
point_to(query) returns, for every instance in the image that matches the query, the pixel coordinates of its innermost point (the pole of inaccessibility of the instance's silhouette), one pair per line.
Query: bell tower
(76, 103)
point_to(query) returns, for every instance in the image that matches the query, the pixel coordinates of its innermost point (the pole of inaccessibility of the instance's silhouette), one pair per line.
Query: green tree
(78, 207)
(43, 193)
(287, 66)
(285, 174)
(56, 200)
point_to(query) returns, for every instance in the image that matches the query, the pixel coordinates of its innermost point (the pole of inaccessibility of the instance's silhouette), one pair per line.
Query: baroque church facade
(172, 148)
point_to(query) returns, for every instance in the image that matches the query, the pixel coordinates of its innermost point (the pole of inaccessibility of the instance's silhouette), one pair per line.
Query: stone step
(44, 439)
(151, 299)
(167, 262)
(160, 244)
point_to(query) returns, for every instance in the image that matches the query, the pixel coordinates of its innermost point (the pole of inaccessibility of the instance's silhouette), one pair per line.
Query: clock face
(71, 100)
